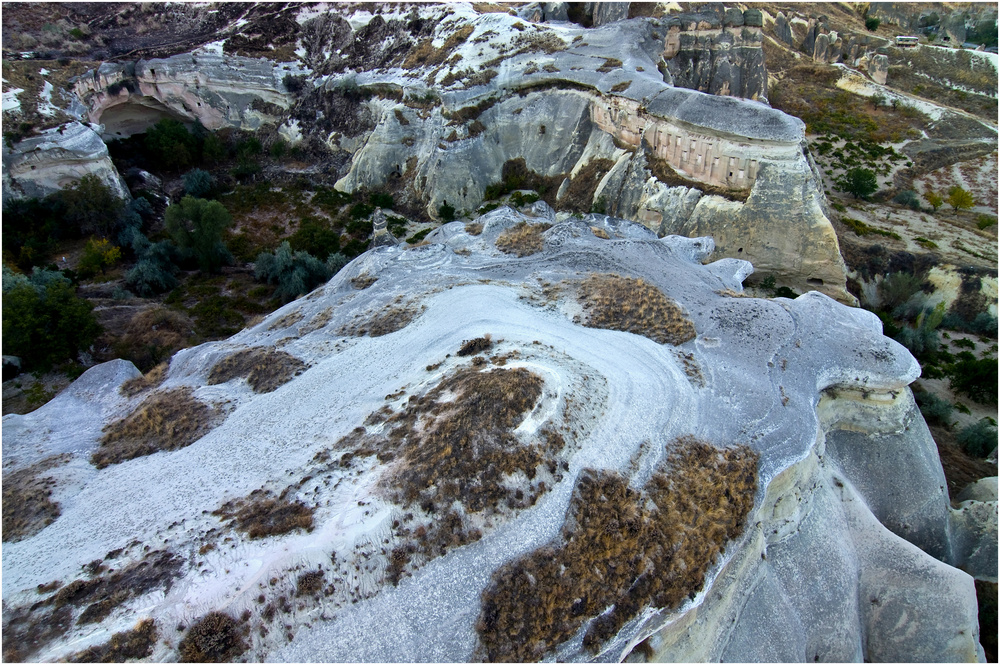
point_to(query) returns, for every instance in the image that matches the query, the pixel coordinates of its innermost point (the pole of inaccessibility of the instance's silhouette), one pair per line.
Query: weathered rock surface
(833, 561)
(43, 164)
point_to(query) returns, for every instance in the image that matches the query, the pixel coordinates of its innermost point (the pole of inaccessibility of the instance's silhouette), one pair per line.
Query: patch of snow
(10, 100)
(213, 47)
(45, 105)
(43, 71)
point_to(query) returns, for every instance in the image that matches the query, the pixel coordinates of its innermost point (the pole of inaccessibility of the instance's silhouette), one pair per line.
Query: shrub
(152, 336)
(985, 221)
(198, 182)
(978, 439)
(44, 322)
(934, 199)
(897, 288)
(959, 199)
(163, 421)
(381, 200)
(197, 225)
(124, 646)
(154, 271)
(933, 408)
(446, 212)
(908, 198)
(315, 237)
(976, 378)
(215, 638)
(171, 145)
(91, 206)
(335, 262)
(859, 182)
(295, 273)
(261, 514)
(872, 23)
(97, 256)
(293, 84)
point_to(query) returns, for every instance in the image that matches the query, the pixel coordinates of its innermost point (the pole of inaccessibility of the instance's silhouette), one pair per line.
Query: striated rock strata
(719, 477)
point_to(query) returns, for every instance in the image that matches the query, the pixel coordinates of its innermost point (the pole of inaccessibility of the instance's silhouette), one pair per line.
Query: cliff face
(376, 511)
(717, 51)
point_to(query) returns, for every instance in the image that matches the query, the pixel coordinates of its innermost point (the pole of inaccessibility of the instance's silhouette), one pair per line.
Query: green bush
(872, 23)
(978, 439)
(198, 182)
(295, 273)
(446, 212)
(32, 229)
(91, 206)
(154, 270)
(985, 221)
(859, 182)
(98, 255)
(959, 199)
(44, 322)
(170, 145)
(315, 237)
(381, 200)
(361, 211)
(974, 377)
(934, 409)
(196, 225)
(908, 198)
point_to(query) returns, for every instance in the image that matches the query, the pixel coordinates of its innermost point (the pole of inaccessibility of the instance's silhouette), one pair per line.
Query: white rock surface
(845, 555)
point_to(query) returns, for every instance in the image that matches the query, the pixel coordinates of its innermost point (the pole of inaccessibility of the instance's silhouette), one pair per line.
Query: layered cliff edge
(386, 469)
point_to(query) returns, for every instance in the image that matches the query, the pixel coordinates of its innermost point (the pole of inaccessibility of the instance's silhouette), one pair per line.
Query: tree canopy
(196, 225)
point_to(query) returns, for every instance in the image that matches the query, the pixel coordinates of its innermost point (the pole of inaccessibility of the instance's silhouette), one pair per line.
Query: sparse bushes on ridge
(123, 646)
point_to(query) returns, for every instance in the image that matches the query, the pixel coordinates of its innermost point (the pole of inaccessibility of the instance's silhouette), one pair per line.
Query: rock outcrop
(716, 51)
(387, 468)
(57, 157)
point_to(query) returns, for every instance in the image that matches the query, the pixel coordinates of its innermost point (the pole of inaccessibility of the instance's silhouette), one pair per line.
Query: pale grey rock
(609, 12)
(556, 11)
(984, 489)
(878, 68)
(815, 575)
(821, 49)
(975, 537)
(41, 165)
(954, 28)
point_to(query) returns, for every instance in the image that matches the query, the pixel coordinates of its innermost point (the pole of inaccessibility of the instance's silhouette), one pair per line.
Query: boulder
(878, 68)
(609, 12)
(821, 49)
(782, 30)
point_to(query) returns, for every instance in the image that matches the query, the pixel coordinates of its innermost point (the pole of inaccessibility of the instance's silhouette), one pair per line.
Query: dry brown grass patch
(600, 233)
(122, 647)
(287, 320)
(318, 321)
(478, 345)
(215, 638)
(394, 317)
(309, 583)
(522, 239)
(623, 547)
(151, 379)
(153, 335)
(474, 228)
(362, 282)
(666, 174)
(425, 55)
(265, 370)
(451, 451)
(262, 514)
(27, 504)
(163, 421)
(633, 305)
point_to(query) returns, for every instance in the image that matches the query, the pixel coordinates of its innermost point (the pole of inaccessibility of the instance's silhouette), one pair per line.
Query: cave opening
(135, 116)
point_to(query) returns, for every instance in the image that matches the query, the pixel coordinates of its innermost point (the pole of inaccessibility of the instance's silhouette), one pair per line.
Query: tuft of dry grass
(163, 421)
(262, 514)
(395, 317)
(474, 228)
(122, 647)
(633, 305)
(475, 346)
(620, 546)
(600, 233)
(621, 87)
(309, 583)
(152, 335)
(662, 171)
(27, 504)
(425, 55)
(362, 282)
(215, 638)
(287, 320)
(318, 321)
(522, 239)
(265, 370)
(151, 379)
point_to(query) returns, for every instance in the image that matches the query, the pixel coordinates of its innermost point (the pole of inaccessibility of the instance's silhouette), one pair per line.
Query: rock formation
(57, 157)
(474, 448)
(440, 123)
